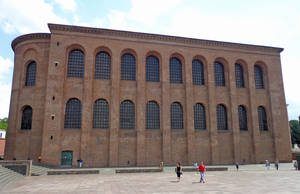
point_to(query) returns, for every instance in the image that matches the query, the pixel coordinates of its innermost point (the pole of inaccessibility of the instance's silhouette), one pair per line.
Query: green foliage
(295, 131)
(3, 123)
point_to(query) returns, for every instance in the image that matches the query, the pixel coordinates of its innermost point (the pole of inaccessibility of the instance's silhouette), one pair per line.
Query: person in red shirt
(201, 170)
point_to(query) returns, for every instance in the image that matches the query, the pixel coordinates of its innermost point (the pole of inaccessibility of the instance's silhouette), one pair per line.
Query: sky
(261, 22)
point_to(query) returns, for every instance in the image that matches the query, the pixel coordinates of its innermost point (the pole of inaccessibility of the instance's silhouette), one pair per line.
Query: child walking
(178, 171)
(201, 170)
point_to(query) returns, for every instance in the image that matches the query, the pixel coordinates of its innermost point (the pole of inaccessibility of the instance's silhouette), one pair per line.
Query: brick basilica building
(119, 98)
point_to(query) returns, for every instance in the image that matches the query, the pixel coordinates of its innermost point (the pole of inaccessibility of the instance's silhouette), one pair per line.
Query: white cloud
(143, 13)
(68, 5)
(5, 67)
(27, 16)
(4, 99)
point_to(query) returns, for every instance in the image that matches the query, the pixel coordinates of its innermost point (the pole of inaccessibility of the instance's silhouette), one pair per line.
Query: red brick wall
(2, 146)
(114, 146)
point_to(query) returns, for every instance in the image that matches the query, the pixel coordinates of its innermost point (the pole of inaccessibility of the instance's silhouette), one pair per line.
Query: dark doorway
(66, 158)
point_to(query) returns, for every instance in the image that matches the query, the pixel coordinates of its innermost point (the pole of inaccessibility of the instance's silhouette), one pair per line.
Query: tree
(3, 123)
(295, 131)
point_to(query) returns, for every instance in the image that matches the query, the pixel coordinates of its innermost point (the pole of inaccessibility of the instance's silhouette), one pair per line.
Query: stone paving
(250, 179)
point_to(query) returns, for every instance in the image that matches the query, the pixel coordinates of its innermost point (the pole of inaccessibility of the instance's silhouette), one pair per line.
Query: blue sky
(261, 22)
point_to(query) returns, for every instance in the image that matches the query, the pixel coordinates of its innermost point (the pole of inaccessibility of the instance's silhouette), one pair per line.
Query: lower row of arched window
(73, 114)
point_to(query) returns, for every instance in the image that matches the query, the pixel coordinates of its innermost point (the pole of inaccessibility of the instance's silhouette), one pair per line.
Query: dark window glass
(198, 72)
(102, 65)
(242, 118)
(73, 114)
(175, 71)
(219, 74)
(259, 77)
(76, 64)
(176, 116)
(26, 118)
(262, 118)
(127, 67)
(152, 115)
(101, 114)
(199, 116)
(152, 69)
(127, 115)
(30, 74)
(239, 76)
(222, 117)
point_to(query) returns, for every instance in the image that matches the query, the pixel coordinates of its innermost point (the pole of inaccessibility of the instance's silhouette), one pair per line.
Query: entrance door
(67, 158)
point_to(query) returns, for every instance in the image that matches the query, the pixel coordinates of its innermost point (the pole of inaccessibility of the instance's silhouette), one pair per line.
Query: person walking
(276, 164)
(178, 171)
(296, 165)
(268, 165)
(40, 158)
(195, 165)
(237, 165)
(202, 171)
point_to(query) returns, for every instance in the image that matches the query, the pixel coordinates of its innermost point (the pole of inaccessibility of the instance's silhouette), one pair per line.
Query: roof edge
(25, 37)
(159, 37)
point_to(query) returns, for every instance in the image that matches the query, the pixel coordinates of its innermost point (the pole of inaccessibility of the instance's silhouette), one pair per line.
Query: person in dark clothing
(178, 171)
(276, 164)
(237, 165)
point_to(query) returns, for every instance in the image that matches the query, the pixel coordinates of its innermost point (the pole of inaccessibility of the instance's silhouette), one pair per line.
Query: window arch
(176, 116)
(262, 118)
(219, 74)
(175, 70)
(30, 74)
(26, 118)
(198, 72)
(128, 67)
(127, 115)
(73, 114)
(199, 117)
(101, 114)
(102, 65)
(76, 64)
(152, 115)
(239, 76)
(259, 77)
(152, 69)
(242, 118)
(222, 117)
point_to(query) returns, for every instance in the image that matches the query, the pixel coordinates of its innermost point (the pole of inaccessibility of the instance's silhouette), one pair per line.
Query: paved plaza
(250, 179)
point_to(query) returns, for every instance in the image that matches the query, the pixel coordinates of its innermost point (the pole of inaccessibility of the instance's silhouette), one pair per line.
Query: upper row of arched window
(128, 70)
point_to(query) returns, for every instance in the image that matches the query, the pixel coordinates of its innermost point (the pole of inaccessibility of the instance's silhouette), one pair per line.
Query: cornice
(164, 38)
(29, 37)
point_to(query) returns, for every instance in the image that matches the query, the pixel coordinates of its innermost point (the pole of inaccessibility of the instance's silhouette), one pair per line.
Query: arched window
(239, 76)
(176, 116)
(242, 118)
(152, 69)
(152, 115)
(101, 114)
(199, 116)
(262, 118)
(175, 71)
(127, 67)
(30, 74)
(127, 115)
(76, 64)
(73, 114)
(198, 72)
(26, 118)
(102, 65)
(219, 74)
(259, 77)
(222, 117)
